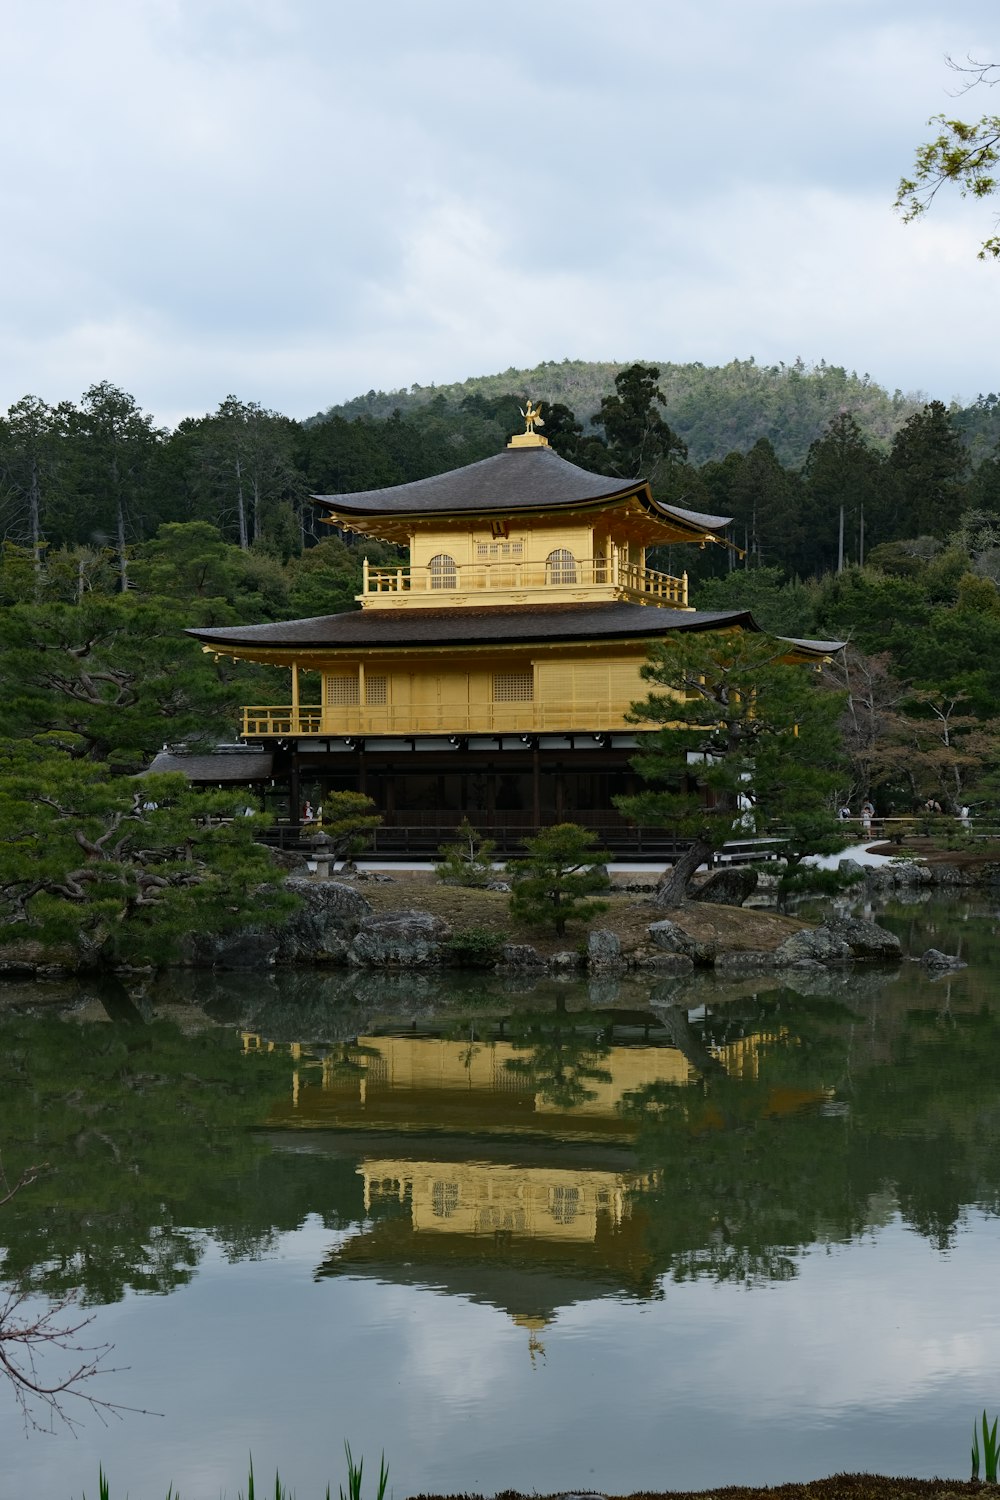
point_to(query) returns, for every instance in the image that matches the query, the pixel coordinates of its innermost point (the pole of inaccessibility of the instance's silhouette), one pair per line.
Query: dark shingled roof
(516, 479)
(236, 766)
(384, 629)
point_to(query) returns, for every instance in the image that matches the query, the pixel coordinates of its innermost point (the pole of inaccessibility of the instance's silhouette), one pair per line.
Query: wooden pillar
(536, 786)
(295, 697)
(294, 802)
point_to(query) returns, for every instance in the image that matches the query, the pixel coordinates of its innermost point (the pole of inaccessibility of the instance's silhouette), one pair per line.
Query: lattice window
(513, 687)
(490, 1219)
(565, 1204)
(499, 549)
(444, 1199)
(561, 566)
(444, 573)
(376, 689)
(341, 691)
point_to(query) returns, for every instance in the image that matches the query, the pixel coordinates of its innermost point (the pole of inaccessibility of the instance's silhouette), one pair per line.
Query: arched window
(560, 566)
(444, 574)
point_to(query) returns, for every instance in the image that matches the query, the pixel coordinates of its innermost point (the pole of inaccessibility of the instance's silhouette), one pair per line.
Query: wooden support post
(536, 786)
(294, 802)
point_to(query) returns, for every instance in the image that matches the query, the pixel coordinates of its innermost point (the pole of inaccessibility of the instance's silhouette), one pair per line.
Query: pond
(544, 1235)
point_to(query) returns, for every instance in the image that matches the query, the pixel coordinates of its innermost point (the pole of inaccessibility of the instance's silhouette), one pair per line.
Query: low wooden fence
(423, 841)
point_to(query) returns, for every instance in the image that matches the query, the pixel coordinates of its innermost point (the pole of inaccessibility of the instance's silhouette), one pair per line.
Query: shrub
(561, 872)
(474, 948)
(349, 819)
(469, 861)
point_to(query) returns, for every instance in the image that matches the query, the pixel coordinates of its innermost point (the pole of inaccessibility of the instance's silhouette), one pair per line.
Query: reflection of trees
(564, 1053)
(859, 1095)
(145, 1131)
(843, 1117)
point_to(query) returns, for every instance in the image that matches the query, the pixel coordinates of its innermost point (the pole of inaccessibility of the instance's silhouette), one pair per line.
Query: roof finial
(529, 438)
(532, 416)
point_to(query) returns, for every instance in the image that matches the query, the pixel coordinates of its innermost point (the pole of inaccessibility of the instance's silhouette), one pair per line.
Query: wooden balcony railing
(551, 716)
(276, 723)
(621, 578)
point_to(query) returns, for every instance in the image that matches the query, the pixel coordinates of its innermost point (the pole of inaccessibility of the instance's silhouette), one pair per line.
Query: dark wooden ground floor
(508, 790)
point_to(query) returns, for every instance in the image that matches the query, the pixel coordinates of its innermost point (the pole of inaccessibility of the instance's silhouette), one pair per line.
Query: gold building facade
(492, 671)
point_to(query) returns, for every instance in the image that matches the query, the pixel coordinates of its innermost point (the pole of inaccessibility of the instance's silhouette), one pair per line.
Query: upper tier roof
(518, 479)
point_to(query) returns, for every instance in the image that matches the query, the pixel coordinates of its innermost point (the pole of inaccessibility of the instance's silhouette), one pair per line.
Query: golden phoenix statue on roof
(532, 415)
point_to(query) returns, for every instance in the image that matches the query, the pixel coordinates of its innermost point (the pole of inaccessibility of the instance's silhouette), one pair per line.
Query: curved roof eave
(814, 648)
(517, 625)
(515, 479)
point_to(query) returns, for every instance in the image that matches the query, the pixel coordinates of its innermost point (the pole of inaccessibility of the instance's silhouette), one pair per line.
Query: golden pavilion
(490, 674)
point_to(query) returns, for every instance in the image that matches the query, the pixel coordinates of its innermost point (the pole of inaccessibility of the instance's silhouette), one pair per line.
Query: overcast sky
(298, 200)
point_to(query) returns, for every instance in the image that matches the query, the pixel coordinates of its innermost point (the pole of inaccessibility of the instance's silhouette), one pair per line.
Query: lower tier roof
(390, 630)
(517, 624)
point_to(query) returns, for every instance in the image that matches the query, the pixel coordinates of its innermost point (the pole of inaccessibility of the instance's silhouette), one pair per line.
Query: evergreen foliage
(760, 745)
(120, 868)
(637, 438)
(349, 820)
(474, 948)
(117, 672)
(713, 409)
(469, 860)
(555, 883)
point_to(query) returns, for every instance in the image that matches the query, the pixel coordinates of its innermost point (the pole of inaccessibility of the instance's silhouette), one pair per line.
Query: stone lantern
(322, 845)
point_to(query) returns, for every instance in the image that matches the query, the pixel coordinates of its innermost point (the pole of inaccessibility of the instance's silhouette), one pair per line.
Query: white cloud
(300, 201)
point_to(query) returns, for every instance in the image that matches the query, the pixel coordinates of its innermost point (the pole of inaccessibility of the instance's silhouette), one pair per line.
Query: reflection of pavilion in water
(493, 1186)
(488, 1198)
(481, 1086)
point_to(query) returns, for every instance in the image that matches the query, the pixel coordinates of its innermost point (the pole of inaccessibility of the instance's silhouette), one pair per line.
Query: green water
(606, 1235)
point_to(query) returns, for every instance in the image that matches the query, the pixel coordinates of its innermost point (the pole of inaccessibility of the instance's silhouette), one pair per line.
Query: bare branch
(29, 1336)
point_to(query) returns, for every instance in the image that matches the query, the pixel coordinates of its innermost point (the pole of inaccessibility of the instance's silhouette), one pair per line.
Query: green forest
(784, 450)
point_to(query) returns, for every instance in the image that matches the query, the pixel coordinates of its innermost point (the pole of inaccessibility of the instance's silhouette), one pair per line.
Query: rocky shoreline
(336, 924)
(407, 922)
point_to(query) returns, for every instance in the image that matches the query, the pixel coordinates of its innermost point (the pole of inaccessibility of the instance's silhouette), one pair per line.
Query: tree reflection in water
(807, 1110)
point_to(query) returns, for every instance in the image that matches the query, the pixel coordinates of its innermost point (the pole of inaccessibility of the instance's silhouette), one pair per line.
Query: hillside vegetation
(715, 409)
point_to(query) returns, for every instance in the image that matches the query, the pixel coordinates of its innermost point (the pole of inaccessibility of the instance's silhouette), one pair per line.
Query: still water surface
(606, 1236)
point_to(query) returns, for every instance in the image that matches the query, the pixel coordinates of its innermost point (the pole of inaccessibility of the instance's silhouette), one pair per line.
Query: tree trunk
(255, 487)
(687, 1042)
(35, 517)
(122, 555)
(241, 513)
(672, 889)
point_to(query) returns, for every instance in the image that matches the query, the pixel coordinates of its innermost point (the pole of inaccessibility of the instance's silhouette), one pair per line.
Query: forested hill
(717, 410)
